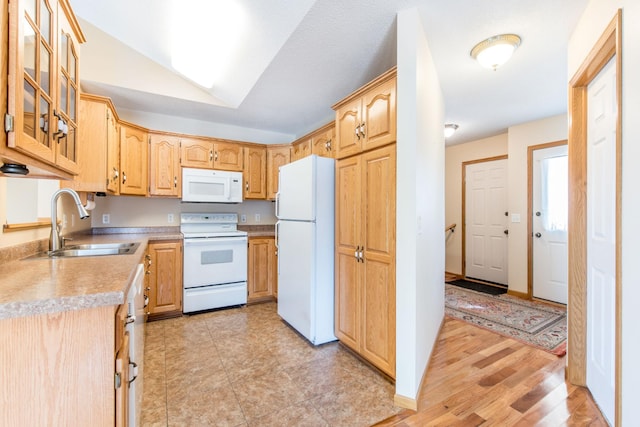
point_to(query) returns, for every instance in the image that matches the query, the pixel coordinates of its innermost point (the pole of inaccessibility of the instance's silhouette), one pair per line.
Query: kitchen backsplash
(129, 211)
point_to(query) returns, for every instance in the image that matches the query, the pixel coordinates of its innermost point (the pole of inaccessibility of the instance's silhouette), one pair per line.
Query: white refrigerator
(304, 240)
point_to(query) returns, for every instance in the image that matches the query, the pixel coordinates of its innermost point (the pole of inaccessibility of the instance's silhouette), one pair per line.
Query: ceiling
(298, 58)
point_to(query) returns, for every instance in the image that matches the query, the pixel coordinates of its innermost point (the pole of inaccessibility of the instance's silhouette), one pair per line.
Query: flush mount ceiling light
(495, 51)
(449, 129)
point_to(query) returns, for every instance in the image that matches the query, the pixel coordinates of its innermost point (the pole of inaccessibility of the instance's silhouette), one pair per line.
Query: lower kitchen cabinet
(58, 368)
(164, 272)
(262, 275)
(121, 379)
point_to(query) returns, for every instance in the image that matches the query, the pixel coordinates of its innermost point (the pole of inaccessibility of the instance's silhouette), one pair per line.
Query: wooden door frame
(530, 151)
(608, 45)
(464, 206)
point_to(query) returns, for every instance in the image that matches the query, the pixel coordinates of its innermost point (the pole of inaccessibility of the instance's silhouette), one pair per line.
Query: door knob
(538, 213)
(538, 235)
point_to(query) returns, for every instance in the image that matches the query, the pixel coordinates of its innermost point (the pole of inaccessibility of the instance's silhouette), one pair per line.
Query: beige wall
(520, 138)
(130, 211)
(42, 203)
(515, 144)
(455, 155)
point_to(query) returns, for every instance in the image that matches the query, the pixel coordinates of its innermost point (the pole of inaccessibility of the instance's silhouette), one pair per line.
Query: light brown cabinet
(276, 156)
(255, 172)
(196, 153)
(43, 86)
(133, 160)
(365, 256)
(367, 118)
(262, 269)
(122, 362)
(98, 147)
(300, 149)
(165, 278)
(322, 141)
(165, 175)
(227, 156)
(211, 154)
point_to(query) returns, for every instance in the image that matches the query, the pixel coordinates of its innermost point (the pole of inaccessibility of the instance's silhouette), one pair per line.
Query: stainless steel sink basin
(96, 249)
(103, 246)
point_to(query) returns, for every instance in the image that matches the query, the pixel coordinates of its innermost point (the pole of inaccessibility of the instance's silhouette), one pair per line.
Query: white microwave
(211, 186)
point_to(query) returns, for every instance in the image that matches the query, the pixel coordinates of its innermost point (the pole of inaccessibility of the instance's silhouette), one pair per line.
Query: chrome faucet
(54, 239)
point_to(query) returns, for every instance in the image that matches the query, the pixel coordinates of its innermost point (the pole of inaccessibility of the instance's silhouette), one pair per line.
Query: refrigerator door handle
(277, 205)
(277, 227)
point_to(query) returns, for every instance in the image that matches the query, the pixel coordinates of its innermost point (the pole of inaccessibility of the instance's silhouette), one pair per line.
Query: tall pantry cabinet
(365, 226)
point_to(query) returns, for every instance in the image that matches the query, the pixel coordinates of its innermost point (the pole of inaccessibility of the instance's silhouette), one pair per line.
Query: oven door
(214, 261)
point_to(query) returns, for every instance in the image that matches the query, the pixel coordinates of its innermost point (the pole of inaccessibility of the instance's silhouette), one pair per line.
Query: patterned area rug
(537, 324)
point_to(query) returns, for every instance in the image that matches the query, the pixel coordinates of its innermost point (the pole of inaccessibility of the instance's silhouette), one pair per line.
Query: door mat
(533, 323)
(479, 287)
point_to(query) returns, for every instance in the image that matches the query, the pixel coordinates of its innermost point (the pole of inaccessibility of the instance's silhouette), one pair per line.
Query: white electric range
(215, 261)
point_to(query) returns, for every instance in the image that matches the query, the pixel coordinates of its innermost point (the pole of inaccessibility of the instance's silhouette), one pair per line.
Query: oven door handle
(210, 241)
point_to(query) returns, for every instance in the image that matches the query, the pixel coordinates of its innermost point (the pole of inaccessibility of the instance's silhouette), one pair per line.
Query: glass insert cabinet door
(43, 80)
(31, 77)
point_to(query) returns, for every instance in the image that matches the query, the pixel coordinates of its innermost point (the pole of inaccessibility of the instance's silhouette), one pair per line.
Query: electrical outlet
(257, 217)
(106, 218)
(243, 218)
(170, 218)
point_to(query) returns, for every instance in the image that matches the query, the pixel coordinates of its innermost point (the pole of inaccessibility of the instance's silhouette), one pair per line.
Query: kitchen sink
(94, 249)
(97, 246)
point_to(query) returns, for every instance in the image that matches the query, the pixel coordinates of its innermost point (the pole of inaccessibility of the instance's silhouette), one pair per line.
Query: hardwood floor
(477, 377)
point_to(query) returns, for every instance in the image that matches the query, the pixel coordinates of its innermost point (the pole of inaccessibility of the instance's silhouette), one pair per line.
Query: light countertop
(43, 285)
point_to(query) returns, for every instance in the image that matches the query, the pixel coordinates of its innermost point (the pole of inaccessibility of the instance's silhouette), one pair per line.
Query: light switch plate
(515, 217)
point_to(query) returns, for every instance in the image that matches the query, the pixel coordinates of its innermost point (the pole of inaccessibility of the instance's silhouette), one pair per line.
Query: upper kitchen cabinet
(98, 147)
(367, 118)
(227, 156)
(255, 172)
(164, 165)
(43, 87)
(211, 154)
(133, 160)
(301, 148)
(196, 153)
(322, 140)
(277, 155)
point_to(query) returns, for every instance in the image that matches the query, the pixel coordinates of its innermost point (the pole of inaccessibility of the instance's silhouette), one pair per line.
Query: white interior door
(549, 223)
(486, 221)
(601, 238)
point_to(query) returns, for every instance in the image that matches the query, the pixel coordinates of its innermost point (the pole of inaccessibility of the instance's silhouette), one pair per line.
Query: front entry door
(549, 223)
(486, 221)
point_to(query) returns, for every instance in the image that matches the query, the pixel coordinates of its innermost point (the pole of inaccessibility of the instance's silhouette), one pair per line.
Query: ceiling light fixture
(495, 51)
(449, 129)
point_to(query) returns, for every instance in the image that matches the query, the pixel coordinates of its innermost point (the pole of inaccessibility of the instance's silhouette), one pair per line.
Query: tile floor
(245, 367)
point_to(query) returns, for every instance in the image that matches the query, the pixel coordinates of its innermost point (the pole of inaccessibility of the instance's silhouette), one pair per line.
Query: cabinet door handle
(175, 182)
(356, 253)
(124, 177)
(362, 129)
(361, 255)
(134, 370)
(115, 174)
(358, 131)
(210, 155)
(130, 319)
(146, 301)
(246, 186)
(215, 156)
